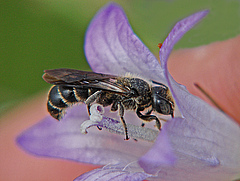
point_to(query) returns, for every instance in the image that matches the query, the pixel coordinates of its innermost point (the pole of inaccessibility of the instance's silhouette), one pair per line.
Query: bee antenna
(158, 83)
(208, 96)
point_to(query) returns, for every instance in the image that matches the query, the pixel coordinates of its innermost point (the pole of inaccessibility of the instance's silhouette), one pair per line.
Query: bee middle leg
(147, 117)
(121, 113)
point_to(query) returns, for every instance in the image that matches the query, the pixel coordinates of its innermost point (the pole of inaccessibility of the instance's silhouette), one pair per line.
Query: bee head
(160, 101)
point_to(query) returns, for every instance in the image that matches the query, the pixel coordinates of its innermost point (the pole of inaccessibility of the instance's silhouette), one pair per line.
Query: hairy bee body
(61, 97)
(121, 93)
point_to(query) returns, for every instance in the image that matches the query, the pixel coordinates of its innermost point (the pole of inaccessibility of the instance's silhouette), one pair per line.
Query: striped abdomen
(61, 97)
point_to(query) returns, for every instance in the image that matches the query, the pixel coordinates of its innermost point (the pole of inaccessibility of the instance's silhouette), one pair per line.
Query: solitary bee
(121, 93)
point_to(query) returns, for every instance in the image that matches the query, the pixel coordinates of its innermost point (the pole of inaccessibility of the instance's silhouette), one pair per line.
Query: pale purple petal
(110, 172)
(63, 140)
(112, 47)
(206, 142)
(174, 36)
(147, 162)
(161, 153)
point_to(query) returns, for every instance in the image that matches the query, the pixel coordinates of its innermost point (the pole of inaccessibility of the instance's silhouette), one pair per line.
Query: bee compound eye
(165, 107)
(162, 106)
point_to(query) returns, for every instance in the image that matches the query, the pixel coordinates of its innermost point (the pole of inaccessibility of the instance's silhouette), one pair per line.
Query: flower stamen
(115, 126)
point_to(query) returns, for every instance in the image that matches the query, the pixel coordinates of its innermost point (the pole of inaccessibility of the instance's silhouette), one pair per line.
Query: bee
(120, 92)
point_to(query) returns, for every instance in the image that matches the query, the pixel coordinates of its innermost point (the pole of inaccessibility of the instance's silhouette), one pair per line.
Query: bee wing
(72, 76)
(84, 79)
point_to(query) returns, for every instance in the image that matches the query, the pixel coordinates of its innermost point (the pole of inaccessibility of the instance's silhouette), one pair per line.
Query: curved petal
(164, 157)
(161, 153)
(174, 36)
(64, 140)
(112, 47)
(113, 173)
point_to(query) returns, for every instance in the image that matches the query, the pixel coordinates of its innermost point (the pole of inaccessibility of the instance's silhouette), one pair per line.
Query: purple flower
(200, 143)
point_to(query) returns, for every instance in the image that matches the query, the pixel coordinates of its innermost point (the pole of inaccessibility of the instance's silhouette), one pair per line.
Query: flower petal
(164, 157)
(160, 154)
(174, 36)
(112, 172)
(64, 140)
(112, 47)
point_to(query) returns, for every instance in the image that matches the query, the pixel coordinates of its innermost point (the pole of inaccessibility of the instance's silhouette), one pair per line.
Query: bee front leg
(91, 99)
(148, 113)
(121, 113)
(148, 117)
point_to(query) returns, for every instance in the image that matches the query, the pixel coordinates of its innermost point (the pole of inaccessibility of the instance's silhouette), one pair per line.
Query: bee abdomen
(54, 111)
(61, 97)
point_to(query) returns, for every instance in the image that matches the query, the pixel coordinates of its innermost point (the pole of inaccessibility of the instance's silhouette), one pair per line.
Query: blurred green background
(46, 34)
